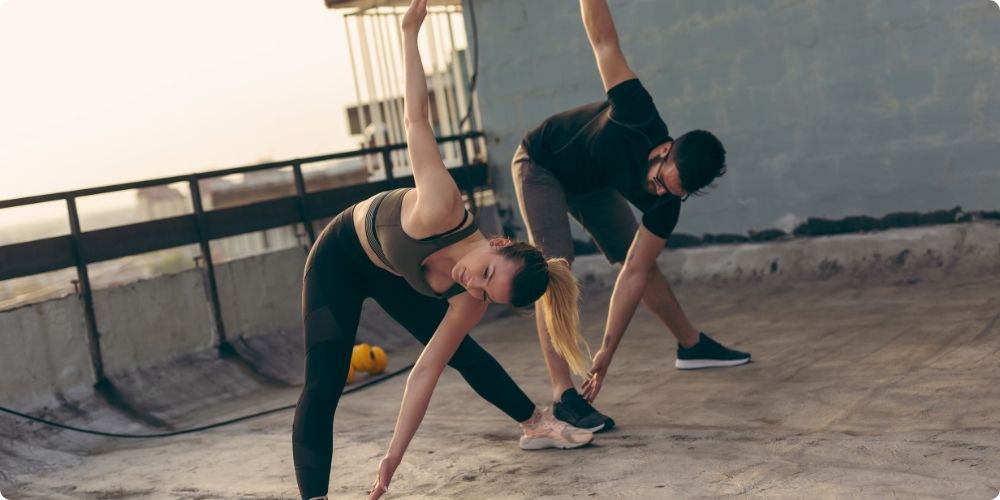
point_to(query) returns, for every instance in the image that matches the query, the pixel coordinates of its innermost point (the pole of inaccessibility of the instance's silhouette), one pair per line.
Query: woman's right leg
(331, 307)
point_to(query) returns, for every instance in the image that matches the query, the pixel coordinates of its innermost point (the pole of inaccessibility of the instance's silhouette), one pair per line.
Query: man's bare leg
(660, 299)
(695, 350)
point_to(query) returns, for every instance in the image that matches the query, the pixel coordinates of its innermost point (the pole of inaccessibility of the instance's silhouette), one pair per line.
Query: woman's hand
(386, 468)
(414, 16)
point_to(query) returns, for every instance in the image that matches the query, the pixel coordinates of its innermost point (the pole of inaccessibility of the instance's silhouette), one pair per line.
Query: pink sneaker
(545, 431)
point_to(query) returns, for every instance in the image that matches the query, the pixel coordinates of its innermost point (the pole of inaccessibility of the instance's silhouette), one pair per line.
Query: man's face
(662, 177)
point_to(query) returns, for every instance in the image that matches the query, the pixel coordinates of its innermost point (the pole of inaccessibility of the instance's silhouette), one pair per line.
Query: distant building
(159, 202)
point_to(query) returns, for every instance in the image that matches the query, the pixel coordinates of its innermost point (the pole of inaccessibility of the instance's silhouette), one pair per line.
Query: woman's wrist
(395, 456)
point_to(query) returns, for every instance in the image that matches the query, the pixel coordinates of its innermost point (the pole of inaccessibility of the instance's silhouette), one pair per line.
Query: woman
(421, 257)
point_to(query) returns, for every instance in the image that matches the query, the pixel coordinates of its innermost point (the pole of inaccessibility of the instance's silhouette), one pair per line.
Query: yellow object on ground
(361, 358)
(381, 360)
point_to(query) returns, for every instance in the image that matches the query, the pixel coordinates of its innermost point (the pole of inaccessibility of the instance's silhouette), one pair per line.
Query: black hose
(358, 387)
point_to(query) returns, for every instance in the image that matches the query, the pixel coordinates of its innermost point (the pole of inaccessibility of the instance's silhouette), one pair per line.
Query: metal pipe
(393, 125)
(394, 51)
(206, 252)
(373, 97)
(444, 125)
(364, 114)
(470, 191)
(83, 277)
(300, 190)
(79, 193)
(389, 174)
(447, 54)
(457, 75)
(471, 61)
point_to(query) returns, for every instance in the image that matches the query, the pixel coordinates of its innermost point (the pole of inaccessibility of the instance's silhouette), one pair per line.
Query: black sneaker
(708, 353)
(576, 411)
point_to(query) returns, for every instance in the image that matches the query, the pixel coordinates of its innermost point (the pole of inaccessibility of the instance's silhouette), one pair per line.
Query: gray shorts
(544, 205)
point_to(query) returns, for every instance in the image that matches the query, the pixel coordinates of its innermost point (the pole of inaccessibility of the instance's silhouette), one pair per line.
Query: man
(590, 162)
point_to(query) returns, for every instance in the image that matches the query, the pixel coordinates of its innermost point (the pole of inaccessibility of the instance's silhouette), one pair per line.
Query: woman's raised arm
(439, 202)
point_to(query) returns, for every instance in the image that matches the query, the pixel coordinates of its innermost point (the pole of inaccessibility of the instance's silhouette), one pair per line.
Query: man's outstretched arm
(603, 38)
(628, 291)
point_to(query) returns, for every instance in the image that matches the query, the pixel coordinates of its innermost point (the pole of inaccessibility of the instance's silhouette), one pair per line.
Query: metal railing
(80, 248)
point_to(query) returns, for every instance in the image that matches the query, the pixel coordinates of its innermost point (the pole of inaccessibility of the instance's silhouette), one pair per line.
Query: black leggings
(338, 277)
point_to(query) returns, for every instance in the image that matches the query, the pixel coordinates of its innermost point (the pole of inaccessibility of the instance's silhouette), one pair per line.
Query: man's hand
(386, 468)
(414, 16)
(598, 370)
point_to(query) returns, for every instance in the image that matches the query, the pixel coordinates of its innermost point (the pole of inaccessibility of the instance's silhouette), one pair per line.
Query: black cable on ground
(358, 387)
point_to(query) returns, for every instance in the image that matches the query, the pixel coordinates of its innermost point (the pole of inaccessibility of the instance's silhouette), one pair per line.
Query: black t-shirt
(608, 144)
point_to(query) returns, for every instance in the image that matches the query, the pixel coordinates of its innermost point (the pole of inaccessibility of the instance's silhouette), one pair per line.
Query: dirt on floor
(884, 391)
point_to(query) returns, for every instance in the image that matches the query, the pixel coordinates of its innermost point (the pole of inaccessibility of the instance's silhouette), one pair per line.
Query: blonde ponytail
(552, 282)
(561, 303)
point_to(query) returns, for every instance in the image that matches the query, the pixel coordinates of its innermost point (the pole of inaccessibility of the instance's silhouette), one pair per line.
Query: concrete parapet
(150, 322)
(157, 335)
(45, 352)
(893, 256)
(261, 294)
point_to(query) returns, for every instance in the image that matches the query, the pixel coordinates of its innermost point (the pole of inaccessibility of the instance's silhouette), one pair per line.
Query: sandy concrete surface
(887, 391)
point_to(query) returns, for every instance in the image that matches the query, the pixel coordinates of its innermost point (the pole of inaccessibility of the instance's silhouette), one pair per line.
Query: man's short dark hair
(700, 159)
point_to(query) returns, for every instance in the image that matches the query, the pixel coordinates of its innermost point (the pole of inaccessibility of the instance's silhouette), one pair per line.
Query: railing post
(300, 189)
(390, 177)
(206, 252)
(83, 278)
(470, 190)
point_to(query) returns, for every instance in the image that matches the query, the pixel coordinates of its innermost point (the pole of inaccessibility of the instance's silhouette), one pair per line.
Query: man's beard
(648, 184)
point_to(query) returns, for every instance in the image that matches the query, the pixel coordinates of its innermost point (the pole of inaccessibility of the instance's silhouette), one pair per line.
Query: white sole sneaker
(540, 443)
(694, 364)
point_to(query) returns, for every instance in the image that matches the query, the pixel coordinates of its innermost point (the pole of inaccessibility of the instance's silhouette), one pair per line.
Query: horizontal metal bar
(30, 200)
(36, 257)
(122, 241)
(258, 216)
(50, 254)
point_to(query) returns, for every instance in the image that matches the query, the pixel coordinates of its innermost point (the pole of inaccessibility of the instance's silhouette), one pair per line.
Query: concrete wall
(153, 321)
(157, 335)
(261, 294)
(43, 351)
(156, 322)
(826, 108)
(899, 256)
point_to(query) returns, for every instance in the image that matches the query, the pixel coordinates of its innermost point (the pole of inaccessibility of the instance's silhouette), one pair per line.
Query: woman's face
(487, 275)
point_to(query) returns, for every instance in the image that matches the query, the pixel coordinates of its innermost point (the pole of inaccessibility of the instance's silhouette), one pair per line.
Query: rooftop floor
(884, 391)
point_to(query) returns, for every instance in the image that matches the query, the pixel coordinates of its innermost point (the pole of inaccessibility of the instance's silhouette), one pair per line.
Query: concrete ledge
(261, 294)
(899, 255)
(47, 367)
(150, 322)
(45, 352)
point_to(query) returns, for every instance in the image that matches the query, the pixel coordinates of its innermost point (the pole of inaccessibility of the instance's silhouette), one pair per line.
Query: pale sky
(109, 91)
